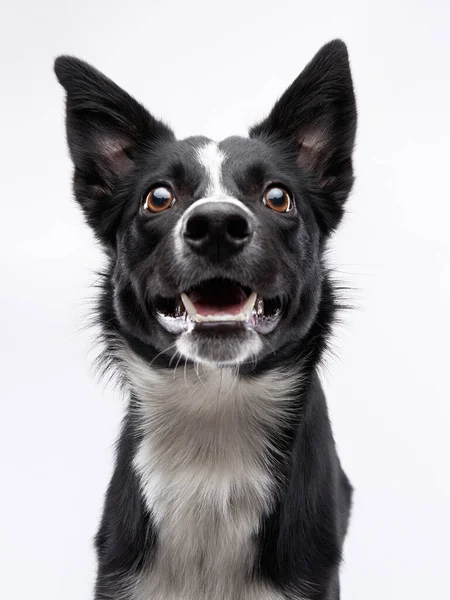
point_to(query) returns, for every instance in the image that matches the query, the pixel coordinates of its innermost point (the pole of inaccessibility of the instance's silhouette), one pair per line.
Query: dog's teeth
(260, 307)
(244, 315)
(190, 308)
(179, 308)
(248, 306)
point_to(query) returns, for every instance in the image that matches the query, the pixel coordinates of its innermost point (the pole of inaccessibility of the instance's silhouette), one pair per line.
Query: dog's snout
(218, 230)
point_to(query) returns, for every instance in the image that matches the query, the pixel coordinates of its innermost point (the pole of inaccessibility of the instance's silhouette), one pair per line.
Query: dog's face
(216, 247)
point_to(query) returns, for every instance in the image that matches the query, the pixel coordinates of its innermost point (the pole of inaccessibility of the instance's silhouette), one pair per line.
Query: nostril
(217, 231)
(197, 228)
(238, 228)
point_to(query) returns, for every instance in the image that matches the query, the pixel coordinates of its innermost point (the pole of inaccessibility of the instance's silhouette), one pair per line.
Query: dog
(216, 307)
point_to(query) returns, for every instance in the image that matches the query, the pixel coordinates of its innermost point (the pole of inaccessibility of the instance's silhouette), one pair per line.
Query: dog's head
(215, 248)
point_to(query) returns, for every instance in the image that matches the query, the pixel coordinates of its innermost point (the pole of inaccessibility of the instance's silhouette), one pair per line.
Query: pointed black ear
(317, 116)
(105, 129)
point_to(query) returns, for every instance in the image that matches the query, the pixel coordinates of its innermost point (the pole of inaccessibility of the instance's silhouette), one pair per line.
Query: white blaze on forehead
(212, 158)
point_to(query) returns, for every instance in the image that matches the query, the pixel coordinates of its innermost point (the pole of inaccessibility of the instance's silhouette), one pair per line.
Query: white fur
(205, 475)
(212, 158)
(217, 199)
(246, 351)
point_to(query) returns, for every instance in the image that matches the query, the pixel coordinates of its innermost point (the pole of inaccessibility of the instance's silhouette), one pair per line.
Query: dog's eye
(277, 199)
(159, 199)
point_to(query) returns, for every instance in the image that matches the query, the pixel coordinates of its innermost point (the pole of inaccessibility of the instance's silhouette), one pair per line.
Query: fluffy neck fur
(206, 467)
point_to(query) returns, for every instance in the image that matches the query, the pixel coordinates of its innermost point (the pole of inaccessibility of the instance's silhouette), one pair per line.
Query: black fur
(119, 152)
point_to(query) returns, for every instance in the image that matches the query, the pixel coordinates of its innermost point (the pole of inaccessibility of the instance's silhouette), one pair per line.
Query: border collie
(215, 311)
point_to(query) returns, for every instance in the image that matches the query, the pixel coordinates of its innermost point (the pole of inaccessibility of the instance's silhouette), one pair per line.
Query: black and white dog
(216, 307)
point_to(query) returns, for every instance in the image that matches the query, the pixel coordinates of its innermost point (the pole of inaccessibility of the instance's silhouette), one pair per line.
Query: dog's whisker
(185, 374)
(172, 358)
(220, 384)
(197, 367)
(162, 352)
(176, 366)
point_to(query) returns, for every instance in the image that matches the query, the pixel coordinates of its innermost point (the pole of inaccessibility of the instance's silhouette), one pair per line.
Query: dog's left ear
(316, 116)
(106, 128)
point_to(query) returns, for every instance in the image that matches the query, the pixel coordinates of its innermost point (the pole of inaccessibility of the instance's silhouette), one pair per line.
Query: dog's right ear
(316, 117)
(105, 129)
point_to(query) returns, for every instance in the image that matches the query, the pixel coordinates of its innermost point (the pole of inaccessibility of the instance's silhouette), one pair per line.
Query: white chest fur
(204, 469)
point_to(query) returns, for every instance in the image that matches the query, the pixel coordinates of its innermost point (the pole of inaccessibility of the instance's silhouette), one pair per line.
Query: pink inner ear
(313, 144)
(114, 149)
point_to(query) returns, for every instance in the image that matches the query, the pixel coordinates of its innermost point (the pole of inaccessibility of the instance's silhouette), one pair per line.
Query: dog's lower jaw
(239, 346)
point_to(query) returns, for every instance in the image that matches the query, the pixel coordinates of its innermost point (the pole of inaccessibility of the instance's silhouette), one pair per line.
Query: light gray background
(214, 69)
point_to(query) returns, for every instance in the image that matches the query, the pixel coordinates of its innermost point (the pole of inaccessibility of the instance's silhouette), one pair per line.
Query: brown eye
(277, 199)
(159, 199)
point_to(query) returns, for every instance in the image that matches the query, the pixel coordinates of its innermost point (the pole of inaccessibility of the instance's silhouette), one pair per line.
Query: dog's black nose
(218, 230)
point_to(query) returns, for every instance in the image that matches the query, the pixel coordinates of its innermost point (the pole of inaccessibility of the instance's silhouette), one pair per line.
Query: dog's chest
(205, 473)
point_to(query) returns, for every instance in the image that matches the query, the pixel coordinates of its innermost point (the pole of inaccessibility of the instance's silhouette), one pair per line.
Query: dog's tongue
(220, 298)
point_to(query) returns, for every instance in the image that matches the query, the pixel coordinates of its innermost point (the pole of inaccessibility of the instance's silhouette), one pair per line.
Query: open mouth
(219, 303)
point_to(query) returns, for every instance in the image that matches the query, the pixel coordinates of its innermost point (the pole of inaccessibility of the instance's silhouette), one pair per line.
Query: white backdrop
(214, 69)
